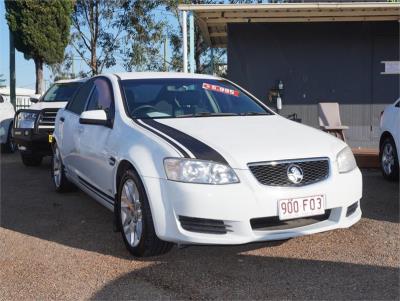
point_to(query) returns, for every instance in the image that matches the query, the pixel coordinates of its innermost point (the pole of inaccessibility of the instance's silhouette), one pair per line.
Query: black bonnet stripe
(199, 149)
(180, 149)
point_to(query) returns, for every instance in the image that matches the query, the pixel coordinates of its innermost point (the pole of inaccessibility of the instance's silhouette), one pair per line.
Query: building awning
(213, 19)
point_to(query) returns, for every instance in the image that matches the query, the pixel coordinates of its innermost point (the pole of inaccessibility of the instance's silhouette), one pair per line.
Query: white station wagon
(195, 159)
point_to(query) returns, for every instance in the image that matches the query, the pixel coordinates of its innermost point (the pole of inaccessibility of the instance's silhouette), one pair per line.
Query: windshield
(61, 92)
(179, 98)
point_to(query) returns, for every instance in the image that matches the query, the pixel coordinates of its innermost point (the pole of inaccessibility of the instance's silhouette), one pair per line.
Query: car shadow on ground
(30, 205)
(228, 274)
(381, 198)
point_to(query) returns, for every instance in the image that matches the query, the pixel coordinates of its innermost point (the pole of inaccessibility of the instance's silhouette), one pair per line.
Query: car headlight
(345, 160)
(26, 120)
(199, 171)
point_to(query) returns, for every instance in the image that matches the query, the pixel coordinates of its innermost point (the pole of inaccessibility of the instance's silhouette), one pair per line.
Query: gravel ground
(56, 246)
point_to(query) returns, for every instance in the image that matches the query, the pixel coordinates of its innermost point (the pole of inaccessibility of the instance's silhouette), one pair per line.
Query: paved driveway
(56, 246)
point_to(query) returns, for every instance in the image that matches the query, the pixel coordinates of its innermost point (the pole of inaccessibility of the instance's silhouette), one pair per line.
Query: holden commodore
(195, 159)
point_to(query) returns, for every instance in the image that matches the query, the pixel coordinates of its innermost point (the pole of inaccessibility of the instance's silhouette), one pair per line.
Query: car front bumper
(236, 206)
(33, 140)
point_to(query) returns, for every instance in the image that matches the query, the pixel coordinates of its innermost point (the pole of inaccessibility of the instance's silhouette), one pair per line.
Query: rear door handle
(81, 129)
(62, 119)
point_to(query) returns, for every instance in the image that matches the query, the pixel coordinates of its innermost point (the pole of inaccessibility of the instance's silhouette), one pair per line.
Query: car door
(69, 127)
(96, 148)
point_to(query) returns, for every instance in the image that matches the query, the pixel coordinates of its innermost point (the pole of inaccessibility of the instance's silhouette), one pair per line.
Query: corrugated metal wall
(317, 62)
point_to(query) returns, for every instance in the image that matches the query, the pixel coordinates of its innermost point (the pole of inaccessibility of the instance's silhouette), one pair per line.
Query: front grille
(202, 225)
(275, 173)
(274, 223)
(47, 119)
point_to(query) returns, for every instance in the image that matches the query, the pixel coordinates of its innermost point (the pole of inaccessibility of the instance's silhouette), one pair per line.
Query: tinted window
(77, 104)
(171, 98)
(61, 92)
(101, 97)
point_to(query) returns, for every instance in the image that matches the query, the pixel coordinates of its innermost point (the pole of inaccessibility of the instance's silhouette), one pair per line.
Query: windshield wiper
(207, 114)
(253, 113)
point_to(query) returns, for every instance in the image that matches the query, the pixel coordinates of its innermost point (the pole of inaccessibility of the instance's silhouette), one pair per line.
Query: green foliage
(105, 31)
(40, 28)
(202, 50)
(144, 36)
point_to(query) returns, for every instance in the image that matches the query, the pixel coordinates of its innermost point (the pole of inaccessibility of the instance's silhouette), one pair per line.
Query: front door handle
(80, 129)
(111, 161)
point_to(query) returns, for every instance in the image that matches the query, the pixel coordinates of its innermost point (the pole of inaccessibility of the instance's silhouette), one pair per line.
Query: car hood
(48, 105)
(244, 139)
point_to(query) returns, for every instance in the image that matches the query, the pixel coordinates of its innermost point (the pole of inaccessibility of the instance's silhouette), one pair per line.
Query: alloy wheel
(57, 167)
(131, 213)
(388, 158)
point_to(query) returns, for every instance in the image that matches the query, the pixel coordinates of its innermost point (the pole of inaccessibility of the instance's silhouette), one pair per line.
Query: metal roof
(213, 19)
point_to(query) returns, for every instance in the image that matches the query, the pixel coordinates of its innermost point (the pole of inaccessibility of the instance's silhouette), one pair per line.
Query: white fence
(22, 102)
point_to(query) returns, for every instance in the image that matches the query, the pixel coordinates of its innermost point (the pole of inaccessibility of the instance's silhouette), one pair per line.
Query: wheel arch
(385, 134)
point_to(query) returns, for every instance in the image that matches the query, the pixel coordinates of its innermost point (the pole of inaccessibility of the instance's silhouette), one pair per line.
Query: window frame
(69, 104)
(109, 83)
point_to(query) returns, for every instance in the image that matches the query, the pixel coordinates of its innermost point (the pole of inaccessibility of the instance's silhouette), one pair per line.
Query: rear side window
(77, 104)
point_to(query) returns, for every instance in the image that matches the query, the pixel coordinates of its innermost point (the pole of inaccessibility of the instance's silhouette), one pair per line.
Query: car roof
(149, 75)
(65, 81)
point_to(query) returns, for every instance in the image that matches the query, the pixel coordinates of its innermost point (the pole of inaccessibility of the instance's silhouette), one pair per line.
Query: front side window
(77, 104)
(61, 92)
(177, 98)
(101, 97)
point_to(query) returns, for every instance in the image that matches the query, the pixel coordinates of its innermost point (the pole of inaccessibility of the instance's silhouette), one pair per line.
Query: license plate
(50, 138)
(301, 207)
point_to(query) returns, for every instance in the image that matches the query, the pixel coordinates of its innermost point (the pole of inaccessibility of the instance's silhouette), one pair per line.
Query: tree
(202, 56)
(41, 31)
(107, 30)
(144, 37)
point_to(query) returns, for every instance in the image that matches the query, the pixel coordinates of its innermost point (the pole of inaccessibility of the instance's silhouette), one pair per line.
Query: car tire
(31, 159)
(388, 159)
(60, 181)
(135, 220)
(9, 146)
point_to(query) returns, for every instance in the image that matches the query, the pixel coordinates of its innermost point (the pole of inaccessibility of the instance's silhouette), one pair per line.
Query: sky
(25, 69)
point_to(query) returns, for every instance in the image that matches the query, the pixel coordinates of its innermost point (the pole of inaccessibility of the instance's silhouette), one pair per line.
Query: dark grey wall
(338, 61)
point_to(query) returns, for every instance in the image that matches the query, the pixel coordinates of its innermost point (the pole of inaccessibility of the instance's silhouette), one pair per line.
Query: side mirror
(34, 99)
(96, 117)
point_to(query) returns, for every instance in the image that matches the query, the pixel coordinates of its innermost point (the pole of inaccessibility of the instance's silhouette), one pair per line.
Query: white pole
(191, 42)
(184, 33)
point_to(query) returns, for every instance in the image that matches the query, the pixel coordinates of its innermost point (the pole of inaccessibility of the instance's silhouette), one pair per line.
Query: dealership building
(309, 52)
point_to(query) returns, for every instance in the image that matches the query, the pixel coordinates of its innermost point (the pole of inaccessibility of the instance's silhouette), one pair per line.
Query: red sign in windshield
(220, 89)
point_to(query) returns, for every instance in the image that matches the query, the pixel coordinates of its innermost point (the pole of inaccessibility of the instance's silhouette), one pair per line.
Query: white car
(6, 120)
(33, 127)
(389, 145)
(195, 159)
